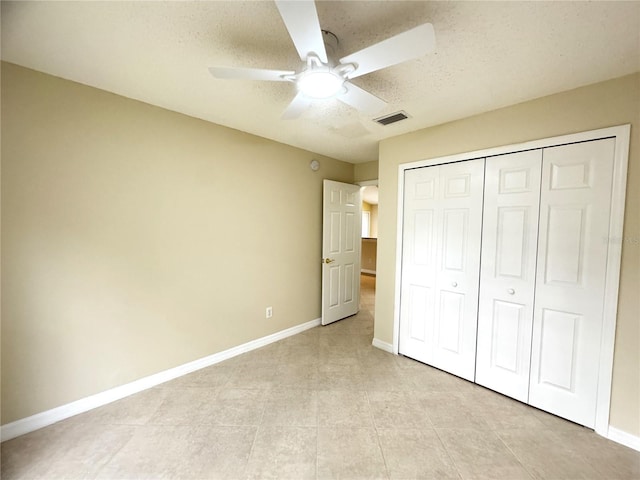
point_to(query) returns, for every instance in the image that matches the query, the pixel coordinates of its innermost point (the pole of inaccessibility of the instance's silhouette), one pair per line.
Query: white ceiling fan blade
(408, 45)
(250, 73)
(301, 20)
(298, 105)
(361, 99)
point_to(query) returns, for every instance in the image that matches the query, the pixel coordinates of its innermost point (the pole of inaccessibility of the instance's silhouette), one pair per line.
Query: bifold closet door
(507, 272)
(440, 265)
(572, 256)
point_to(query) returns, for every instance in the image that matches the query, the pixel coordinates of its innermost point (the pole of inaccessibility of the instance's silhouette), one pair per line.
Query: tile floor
(321, 404)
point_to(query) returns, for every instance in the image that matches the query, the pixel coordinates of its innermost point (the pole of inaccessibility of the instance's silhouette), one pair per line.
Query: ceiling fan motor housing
(331, 45)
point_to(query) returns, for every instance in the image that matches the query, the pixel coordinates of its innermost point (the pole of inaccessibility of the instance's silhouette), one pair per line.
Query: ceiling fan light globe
(320, 85)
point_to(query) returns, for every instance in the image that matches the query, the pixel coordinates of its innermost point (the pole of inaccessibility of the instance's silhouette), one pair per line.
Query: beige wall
(374, 221)
(368, 254)
(129, 239)
(365, 171)
(605, 104)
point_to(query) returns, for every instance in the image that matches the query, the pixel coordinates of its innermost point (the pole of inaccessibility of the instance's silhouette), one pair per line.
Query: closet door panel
(440, 265)
(507, 275)
(419, 260)
(574, 224)
(458, 244)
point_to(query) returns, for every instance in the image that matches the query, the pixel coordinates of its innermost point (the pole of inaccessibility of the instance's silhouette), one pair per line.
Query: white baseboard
(49, 417)
(624, 438)
(387, 347)
(366, 270)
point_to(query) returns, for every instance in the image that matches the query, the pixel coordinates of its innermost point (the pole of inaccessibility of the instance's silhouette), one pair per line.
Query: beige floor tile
(407, 363)
(338, 356)
(267, 355)
(308, 338)
(334, 333)
(349, 453)
(557, 424)
(608, 459)
(340, 377)
(297, 376)
(283, 453)
(236, 407)
(154, 452)
(450, 410)
(383, 380)
(64, 450)
(28, 456)
(286, 407)
(488, 403)
(301, 355)
(415, 454)
(133, 410)
(362, 325)
(500, 413)
(545, 456)
(88, 450)
(215, 376)
(397, 410)
(362, 342)
(333, 338)
(479, 454)
(375, 359)
(499, 421)
(258, 376)
(429, 379)
(184, 406)
(344, 409)
(578, 453)
(219, 452)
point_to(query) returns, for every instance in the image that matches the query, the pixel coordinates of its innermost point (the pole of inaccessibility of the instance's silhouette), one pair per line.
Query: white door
(568, 312)
(419, 260)
(341, 220)
(507, 272)
(440, 265)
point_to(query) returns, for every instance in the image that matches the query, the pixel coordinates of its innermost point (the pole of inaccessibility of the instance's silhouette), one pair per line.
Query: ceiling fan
(323, 78)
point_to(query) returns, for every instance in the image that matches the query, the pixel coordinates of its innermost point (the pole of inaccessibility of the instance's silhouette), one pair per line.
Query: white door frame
(621, 133)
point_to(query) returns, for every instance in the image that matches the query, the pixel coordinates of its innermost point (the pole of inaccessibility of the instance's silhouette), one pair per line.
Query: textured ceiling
(488, 55)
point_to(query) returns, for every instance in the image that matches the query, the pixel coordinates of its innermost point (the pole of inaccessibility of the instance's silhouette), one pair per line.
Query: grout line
(375, 427)
(446, 450)
(255, 437)
(253, 444)
(524, 466)
(104, 465)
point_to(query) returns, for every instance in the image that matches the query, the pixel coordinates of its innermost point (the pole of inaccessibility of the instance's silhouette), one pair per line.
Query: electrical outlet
(269, 312)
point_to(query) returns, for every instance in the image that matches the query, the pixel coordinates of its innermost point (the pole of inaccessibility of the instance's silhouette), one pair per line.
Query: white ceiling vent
(392, 118)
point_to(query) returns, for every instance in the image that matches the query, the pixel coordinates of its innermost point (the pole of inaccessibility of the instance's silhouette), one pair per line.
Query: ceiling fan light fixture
(320, 84)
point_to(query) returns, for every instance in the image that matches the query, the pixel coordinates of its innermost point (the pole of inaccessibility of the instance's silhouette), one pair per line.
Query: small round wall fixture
(315, 165)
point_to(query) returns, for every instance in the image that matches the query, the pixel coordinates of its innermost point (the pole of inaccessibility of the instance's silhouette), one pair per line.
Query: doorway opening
(343, 237)
(369, 246)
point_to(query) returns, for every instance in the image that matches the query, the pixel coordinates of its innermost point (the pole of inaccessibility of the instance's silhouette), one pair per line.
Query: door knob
(329, 260)
(511, 291)
(454, 284)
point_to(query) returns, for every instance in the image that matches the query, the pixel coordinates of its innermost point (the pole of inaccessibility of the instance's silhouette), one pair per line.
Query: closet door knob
(511, 291)
(454, 284)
